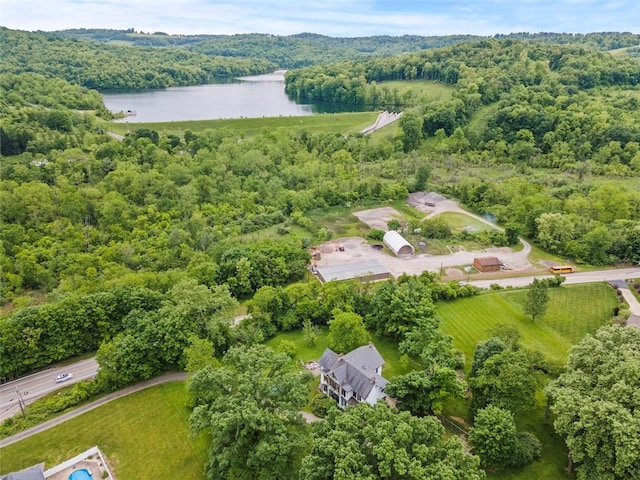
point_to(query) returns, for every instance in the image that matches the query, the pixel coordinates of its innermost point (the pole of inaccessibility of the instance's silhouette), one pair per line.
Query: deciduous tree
(596, 403)
(370, 443)
(250, 407)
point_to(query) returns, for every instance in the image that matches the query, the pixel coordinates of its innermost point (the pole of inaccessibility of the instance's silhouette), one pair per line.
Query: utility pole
(21, 402)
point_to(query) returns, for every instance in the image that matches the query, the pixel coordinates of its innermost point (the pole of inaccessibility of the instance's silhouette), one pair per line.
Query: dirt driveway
(356, 249)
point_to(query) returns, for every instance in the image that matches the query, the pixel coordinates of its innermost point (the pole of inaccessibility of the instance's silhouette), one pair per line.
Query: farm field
(144, 435)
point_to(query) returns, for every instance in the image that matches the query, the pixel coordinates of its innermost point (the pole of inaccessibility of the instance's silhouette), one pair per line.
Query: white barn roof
(397, 243)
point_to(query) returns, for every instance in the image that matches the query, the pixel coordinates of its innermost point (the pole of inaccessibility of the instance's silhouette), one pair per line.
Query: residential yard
(305, 353)
(144, 435)
(574, 311)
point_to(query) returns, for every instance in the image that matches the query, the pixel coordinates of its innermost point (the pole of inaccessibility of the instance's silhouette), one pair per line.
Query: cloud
(345, 18)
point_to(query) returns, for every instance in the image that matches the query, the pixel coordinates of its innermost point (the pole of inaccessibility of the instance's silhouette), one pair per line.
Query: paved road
(172, 377)
(571, 278)
(34, 386)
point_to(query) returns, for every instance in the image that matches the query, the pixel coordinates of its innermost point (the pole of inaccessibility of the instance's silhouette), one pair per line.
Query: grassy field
(458, 221)
(574, 311)
(345, 123)
(424, 88)
(144, 435)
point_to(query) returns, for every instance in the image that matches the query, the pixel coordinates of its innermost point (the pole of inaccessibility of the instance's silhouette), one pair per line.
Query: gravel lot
(356, 249)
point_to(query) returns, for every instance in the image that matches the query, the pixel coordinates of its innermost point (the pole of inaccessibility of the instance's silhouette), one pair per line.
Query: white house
(353, 378)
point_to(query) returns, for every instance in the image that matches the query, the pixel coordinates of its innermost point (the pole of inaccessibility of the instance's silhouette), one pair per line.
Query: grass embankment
(144, 435)
(344, 123)
(574, 311)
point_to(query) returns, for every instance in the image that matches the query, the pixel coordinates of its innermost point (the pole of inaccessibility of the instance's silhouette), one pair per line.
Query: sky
(336, 18)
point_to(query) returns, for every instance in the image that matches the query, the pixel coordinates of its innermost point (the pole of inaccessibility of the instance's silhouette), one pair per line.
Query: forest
(142, 249)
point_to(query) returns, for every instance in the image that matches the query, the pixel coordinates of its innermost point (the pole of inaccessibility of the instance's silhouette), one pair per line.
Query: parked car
(63, 377)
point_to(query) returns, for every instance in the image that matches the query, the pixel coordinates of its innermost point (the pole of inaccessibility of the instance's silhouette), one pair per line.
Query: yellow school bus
(559, 269)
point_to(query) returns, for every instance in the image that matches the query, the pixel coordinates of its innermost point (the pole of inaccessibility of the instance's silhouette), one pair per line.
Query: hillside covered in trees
(141, 248)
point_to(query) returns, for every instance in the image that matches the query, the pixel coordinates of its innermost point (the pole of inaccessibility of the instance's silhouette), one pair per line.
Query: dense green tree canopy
(369, 443)
(597, 404)
(250, 408)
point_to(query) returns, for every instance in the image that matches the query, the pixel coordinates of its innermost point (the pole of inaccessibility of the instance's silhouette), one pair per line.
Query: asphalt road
(571, 278)
(34, 386)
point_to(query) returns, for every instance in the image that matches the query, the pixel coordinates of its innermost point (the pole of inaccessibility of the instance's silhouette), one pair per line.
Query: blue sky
(338, 18)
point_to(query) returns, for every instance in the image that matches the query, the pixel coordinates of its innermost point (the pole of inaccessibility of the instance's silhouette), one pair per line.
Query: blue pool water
(82, 474)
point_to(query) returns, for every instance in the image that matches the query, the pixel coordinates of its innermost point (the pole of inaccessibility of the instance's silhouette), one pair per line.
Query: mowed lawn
(144, 435)
(574, 311)
(305, 353)
(344, 123)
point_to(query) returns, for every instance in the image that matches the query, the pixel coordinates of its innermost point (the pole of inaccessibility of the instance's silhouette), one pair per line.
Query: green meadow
(574, 311)
(343, 123)
(144, 435)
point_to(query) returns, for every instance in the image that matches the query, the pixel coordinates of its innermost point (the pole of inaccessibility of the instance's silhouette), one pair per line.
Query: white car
(63, 377)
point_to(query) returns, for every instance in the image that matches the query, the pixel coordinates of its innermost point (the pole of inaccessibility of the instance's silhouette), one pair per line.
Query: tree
(369, 443)
(496, 441)
(250, 407)
(494, 436)
(537, 299)
(424, 392)
(596, 403)
(505, 380)
(346, 332)
(396, 306)
(483, 351)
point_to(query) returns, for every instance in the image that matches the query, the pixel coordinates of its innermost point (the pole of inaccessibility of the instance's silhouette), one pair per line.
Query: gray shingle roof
(31, 473)
(355, 370)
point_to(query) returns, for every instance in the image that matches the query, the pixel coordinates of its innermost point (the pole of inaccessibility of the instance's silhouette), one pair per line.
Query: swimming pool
(82, 474)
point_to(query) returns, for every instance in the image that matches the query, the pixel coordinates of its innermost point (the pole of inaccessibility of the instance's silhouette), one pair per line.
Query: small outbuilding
(487, 264)
(397, 244)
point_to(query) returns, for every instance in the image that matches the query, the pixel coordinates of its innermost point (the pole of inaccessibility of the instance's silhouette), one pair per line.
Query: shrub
(527, 450)
(376, 235)
(321, 405)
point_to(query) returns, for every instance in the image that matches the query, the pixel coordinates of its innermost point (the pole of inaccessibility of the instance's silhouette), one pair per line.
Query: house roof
(487, 261)
(395, 241)
(31, 473)
(355, 370)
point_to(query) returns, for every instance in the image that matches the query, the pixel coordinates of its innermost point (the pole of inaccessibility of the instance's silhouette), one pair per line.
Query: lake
(244, 97)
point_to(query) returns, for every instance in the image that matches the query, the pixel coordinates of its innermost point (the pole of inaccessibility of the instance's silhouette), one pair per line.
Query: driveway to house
(630, 298)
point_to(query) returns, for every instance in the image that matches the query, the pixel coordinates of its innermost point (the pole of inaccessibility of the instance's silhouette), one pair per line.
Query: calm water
(257, 96)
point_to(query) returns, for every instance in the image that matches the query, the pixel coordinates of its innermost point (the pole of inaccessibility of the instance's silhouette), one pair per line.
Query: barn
(397, 244)
(487, 264)
(372, 270)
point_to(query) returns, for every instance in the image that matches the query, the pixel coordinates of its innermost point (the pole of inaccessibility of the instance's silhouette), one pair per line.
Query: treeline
(305, 49)
(494, 67)
(99, 66)
(80, 208)
(36, 337)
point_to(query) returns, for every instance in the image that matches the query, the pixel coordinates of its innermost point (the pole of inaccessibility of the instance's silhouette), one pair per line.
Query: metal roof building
(371, 270)
(397, 244)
